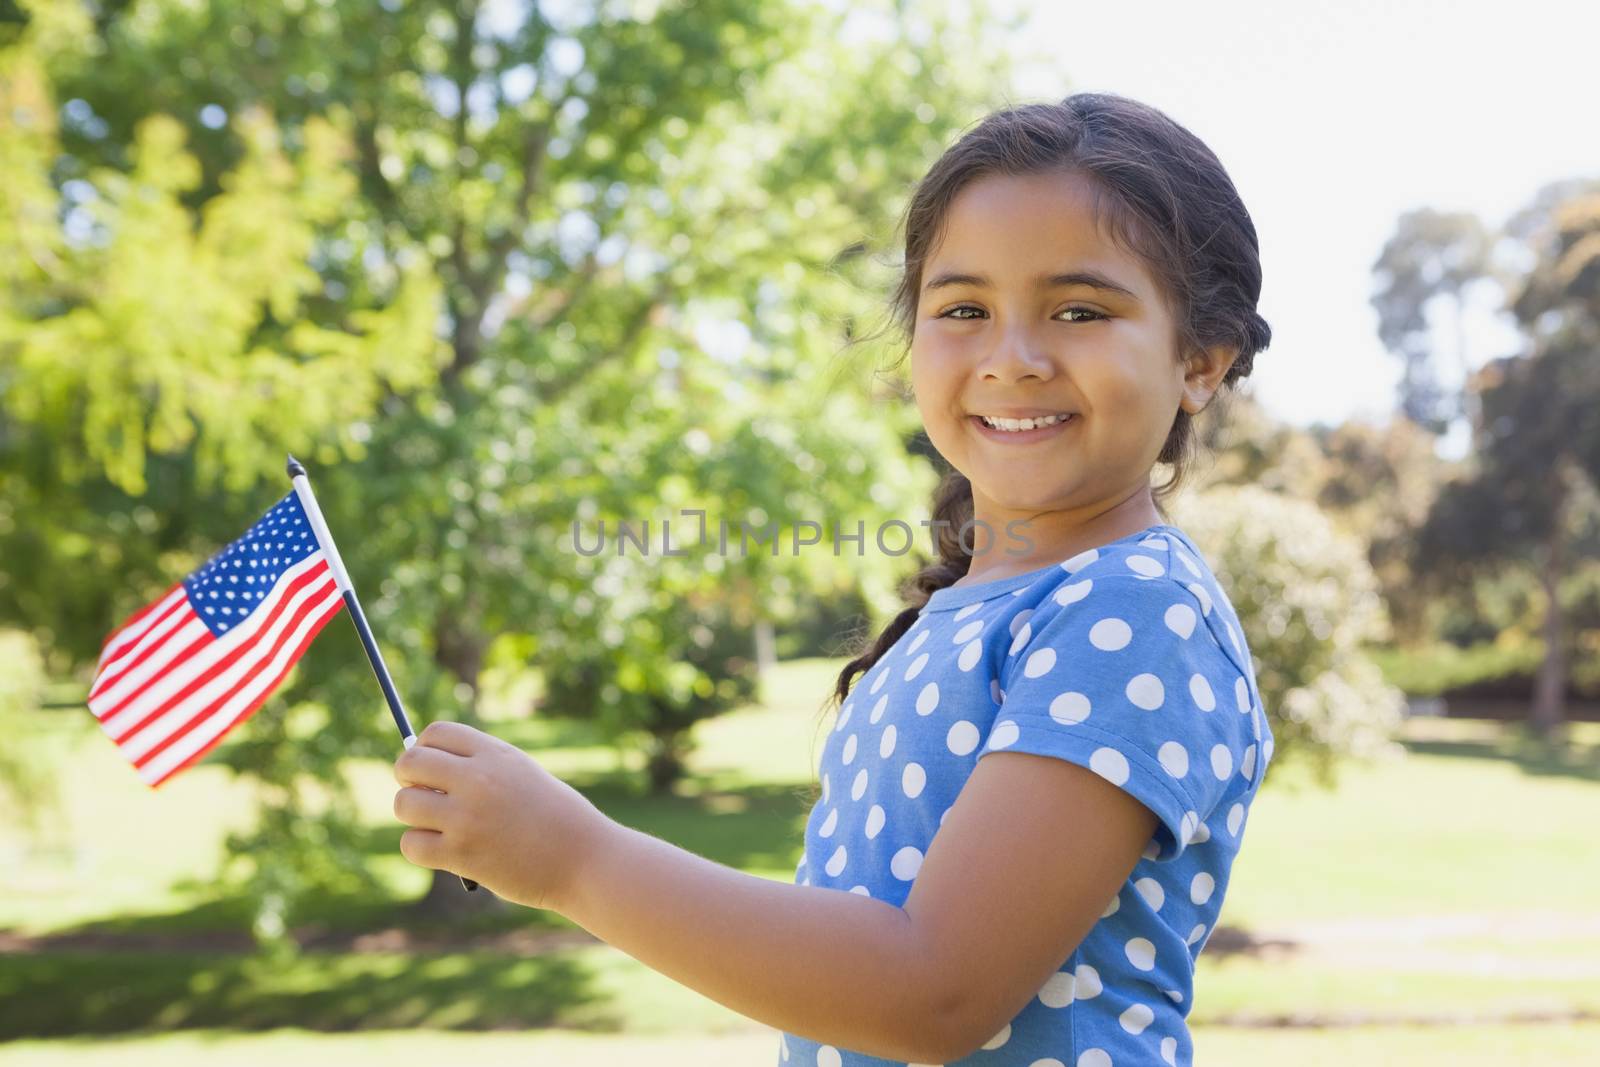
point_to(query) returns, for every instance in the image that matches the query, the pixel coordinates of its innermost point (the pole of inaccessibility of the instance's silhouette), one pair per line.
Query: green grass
(1475, 822)
(1460, 1046)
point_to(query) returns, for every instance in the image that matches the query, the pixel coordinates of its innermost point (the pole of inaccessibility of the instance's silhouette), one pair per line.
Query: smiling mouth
(1021, 431)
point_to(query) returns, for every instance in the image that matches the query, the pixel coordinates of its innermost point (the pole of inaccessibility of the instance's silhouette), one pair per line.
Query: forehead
(1015, 227)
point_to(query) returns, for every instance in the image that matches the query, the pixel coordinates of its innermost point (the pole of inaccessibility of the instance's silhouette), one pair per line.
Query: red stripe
(255, 704)
(191, 649)
(243, 647)
(278, 641)
(136, 616)
(105, 678)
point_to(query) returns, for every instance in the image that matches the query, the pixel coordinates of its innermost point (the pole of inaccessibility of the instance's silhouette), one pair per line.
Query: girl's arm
(838, 968)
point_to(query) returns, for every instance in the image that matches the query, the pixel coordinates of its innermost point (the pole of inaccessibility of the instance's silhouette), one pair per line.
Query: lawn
(1453, 887)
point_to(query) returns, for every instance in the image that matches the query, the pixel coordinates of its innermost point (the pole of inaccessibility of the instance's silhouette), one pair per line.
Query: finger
(454, 737)
(432, 767)
(425, 848)
(420, 807)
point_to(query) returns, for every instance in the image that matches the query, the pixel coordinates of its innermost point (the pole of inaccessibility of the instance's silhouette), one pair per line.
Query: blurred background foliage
(508, 277)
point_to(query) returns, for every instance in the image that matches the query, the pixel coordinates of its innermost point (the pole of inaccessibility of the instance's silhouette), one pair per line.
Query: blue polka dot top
(1127, 659)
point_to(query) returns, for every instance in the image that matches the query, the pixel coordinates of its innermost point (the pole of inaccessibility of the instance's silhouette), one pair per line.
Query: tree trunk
(1549, 692)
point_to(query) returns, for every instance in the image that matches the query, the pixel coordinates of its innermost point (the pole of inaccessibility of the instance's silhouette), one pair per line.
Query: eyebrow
(1088, 278)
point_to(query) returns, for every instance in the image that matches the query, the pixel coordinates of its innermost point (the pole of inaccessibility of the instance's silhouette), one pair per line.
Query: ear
(1203, 375)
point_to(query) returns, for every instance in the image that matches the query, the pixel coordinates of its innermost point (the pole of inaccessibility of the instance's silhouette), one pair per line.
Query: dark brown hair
(1163, 196)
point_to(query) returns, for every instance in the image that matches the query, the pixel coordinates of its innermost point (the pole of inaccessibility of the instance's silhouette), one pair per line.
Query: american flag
(180, 673)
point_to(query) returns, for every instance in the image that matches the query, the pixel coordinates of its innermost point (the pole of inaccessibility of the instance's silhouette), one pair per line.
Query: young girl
(1037, 784)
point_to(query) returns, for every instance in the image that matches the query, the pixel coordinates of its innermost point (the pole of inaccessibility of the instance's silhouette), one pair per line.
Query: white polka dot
(1247, 766)
(944, 814)
(962, 738)
(875, 819)
(912, 649)
(1145, 567)
(916, 666)
(1057, 990)
(1197, 933)
(1110, 764)
(844, 717)
(1019, 620)
(877, 709)
(968, 632)
(994, 690)
(1020, 639)
(1136, 1018)
(886, 742)
(824, 787)
(1081, 560)
(1233, 637)
(1188, 563)
(1039, 662)
(998, 1039)
(1069, 709)
(860, 891)
(877, 683)
(968, 610)
(970, 655)
(836, 862)
(1202, 887)
(828, 1056)
(913, 779)
(928, 699)
(1095, 1057)
(1187, 826)
(1003, 734)
(1175, 758)
(1111, 908)
(849, 753)
(829, 824)
(1086, 982)
(1180, 619)
(1169, 1050)
(1071, 594)
(1173, 995)
(1221, 762)
(1266, 749)
(1109, 635)
(1141, 953)
(1241, 694)
(1202, 834)
(1146, 691)
(906, 863)
(1235, 819)
(859, 786)
(1200, 690)
(1151, 850)
(1152, 892)
(1201, 595)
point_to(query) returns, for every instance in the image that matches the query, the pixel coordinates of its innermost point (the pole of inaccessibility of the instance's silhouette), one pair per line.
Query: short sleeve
(1124, 676)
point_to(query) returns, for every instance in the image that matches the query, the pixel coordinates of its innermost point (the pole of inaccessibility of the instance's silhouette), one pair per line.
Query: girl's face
(1028, 310)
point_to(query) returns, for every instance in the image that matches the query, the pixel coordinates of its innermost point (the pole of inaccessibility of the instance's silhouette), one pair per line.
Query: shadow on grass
(370, 963)
(1520, 746)
(69, 993)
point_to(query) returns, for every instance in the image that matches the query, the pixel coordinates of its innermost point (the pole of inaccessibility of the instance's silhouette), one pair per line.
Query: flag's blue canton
(233, 582)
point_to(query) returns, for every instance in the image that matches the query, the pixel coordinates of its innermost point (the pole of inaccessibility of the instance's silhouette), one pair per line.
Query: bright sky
(1333, 119)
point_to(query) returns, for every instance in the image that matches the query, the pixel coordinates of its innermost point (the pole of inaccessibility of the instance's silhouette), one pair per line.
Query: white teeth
(1014, 425)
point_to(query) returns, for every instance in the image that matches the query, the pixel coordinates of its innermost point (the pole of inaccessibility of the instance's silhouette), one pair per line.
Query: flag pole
(319, 529)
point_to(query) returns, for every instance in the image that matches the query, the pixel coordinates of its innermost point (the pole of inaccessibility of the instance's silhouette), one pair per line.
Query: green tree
(597, 197)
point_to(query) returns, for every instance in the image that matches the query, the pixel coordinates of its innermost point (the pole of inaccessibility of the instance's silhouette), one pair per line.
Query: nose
(1016, 356)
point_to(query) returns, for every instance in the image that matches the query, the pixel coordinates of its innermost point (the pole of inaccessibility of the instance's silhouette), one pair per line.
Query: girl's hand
(483, 809)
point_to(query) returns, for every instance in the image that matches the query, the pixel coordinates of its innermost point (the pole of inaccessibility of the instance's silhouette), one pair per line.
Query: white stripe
(153, 638)
(173, 719)
(113, 647)
(222, 718)
(196, 665)
(186, 629)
